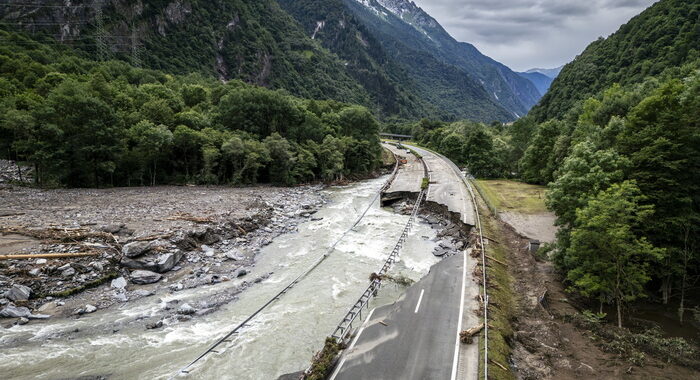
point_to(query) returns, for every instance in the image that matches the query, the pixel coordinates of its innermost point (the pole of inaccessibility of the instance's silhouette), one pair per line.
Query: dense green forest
(617, 140)
(81, 122)
(253, 41)
(664, 36)
(620, 155)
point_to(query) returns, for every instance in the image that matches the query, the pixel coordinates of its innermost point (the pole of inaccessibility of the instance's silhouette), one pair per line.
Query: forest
(86, 123)
(617, 142)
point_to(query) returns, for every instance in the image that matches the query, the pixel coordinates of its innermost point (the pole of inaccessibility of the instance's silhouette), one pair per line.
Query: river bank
(143, 241)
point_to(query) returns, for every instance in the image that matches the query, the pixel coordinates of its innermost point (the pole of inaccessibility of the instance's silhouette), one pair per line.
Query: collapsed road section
(417, 337)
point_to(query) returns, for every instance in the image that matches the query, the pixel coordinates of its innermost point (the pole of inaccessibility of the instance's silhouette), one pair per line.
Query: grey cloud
(526, 33)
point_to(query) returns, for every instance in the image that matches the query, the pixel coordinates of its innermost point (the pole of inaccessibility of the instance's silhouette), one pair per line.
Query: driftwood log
(467, 336)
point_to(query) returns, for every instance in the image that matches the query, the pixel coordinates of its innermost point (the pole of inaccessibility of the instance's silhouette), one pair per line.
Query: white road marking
(455, 361)
(347, 351)
(420, 298)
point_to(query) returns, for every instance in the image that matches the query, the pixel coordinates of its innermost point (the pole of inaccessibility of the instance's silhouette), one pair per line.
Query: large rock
(234, 254)
(186, 309)
(18, 293)
(142, 277)
(136, 248)
(119, 283)
(12, 311)
(167, 261)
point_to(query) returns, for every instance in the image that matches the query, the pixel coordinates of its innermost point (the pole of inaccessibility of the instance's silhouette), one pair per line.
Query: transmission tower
(100, 33)
(135, 48)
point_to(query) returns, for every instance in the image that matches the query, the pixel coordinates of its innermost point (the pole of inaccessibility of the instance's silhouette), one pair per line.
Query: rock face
(143, 277)
(19, 293)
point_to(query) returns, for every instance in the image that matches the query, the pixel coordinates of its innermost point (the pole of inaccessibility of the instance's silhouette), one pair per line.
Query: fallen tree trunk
(466, 336)
(48, 255)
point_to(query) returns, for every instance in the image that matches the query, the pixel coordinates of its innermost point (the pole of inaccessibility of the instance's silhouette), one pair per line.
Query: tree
(152, 142)
(280, 159)
(534, 166)
(608, 258)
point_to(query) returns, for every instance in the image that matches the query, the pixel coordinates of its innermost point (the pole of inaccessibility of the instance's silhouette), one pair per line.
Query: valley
(349, 189)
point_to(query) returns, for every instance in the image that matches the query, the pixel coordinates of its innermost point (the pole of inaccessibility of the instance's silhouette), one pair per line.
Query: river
(114, 342)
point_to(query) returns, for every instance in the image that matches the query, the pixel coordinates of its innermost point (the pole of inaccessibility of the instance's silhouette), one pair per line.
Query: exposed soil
(546, 345)
(535, 226)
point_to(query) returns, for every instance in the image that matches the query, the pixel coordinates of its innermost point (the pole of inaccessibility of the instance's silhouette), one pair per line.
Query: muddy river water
(115, 344)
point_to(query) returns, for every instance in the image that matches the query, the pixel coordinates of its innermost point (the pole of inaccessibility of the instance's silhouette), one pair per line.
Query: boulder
(241, 272)
(136, 248)
(141, 293)
(68, 272)
(186, 309)
(12, 311)
(19, 293)
(234, 254)
(112, 228)
(119, 283)
(154, 325)
(137, 264)
(90, 309)
(41, 261)
(142, 277)
(167, 261)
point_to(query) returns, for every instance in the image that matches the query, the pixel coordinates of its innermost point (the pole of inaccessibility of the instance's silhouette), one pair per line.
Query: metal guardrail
(235, 330)
(345, 326)
(483, 258)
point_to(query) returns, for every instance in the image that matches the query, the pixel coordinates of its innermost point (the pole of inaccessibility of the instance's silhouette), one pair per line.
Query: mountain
(420, 43)
(431, 83)
(663, 37)
(541, 81)
(251, 40)
(551, 73)
(387, 55)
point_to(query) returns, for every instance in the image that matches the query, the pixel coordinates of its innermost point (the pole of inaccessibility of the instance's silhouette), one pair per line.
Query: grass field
(505, 195)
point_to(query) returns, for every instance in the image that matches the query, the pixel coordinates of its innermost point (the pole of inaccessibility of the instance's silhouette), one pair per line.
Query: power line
(39, 5)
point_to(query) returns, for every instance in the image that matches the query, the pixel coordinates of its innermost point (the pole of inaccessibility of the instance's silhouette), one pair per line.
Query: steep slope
(401, 24)
(551, 73)
(541, 81)
(386, 74)
(330, 23)
(664, 36)
(252, 40)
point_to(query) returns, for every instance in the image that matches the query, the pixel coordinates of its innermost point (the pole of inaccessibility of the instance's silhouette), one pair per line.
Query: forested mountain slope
(541, 81)
(406, 31)
(254, 41)
(664, 36)
(388, 69)
(617, 140)
(314, 49)
(84, 123)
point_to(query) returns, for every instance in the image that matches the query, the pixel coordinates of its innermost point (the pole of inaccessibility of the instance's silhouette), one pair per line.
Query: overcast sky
(524, 34)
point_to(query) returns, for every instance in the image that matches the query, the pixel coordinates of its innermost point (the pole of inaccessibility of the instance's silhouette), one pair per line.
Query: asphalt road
(414, 338)
(410, 175)
(446, 186)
